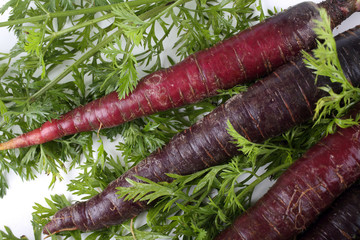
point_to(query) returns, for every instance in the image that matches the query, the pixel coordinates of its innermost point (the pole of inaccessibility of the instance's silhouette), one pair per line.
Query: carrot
(289, 97)
(242, 58)
(341, 221)
(303, 191)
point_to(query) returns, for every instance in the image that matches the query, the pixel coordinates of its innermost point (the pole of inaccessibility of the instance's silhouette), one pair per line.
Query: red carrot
(341, 221)
(289, 99)
(308, 187)
(242, 58)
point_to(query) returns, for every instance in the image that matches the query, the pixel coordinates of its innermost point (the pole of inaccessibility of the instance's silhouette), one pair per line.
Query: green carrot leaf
(325, 62)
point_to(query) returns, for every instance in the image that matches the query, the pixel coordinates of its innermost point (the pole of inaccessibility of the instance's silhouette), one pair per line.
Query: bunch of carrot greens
(104, 44)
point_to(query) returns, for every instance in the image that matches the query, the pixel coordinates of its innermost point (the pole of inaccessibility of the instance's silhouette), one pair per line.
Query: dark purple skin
(341, 221)
(243, 58)
(269, 107)
(306, 189)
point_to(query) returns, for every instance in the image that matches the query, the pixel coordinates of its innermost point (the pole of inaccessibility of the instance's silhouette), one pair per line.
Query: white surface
(16, 206)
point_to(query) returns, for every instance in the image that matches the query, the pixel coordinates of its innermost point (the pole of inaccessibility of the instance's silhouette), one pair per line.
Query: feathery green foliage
(109, 45)
(324, 62)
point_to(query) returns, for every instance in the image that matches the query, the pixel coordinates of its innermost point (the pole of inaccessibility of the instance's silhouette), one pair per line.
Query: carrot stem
(71, 29)
(262, 178)
(11, 99)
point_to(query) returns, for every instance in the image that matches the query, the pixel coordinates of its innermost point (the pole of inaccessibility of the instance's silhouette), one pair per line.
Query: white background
(16, 206)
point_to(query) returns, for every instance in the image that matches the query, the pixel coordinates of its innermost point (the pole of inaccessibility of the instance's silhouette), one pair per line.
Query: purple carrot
(242, 58)
(306, 189)
(341, 221)
(288, 98)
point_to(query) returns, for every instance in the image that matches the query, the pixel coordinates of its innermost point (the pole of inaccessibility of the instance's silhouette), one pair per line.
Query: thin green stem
(5, 99)
(69, 13)
(69, 69)
(275, 147)
(55, 35)
(39, 5)
(166, 7)
(267, 174)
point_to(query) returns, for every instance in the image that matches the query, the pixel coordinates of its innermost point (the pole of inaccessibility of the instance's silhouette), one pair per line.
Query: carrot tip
(7, 145)
(17, 142)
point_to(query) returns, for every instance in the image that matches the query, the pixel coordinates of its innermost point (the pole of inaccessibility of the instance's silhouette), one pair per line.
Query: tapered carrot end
(13, 143)
(5, 146)
(61, 222)
(47, 132)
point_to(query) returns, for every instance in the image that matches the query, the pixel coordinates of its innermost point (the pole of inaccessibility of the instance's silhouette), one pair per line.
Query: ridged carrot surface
(288, 97)
(307, 188)
(242, 58)
(341, 221)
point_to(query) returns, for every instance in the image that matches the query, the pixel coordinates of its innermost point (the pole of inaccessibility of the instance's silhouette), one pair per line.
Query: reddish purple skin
(308, 187)
(341, 221)
(288, 98)
(242, 58)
